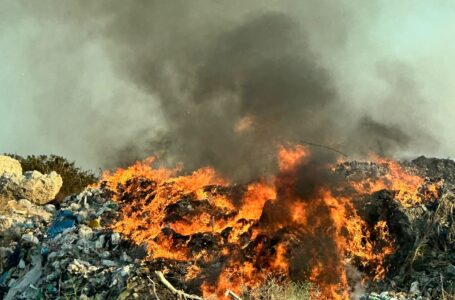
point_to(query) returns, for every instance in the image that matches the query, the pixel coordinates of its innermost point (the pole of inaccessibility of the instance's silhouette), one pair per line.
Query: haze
(72, 73)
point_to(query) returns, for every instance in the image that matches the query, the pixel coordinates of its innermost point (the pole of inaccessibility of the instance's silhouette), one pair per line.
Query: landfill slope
(67, 249)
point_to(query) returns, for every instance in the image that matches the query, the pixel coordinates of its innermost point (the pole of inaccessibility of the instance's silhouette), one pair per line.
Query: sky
(61, 90)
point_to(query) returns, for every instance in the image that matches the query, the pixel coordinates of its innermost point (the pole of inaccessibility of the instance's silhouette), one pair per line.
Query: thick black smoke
(232, 80)
(260, 69)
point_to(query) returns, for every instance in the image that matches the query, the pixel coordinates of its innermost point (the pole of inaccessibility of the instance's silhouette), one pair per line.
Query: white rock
(85, 232)
(29, 223)
(74, 206)
(34, 186)
(384, 294)
(21, 264)
(105, 254)
(100, 242)
(50, 208)
(12, 282)
(66, 247)
(414, 289)
(114, 282)
(10, 166)
(83, 297)
(108, 263)
(78, 266)
(29, 237)
(115, 238)
(124, 271)
(40, 188)
(25, 203)
(52, 255)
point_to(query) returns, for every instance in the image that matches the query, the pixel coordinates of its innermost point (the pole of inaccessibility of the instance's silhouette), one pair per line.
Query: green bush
(74, 178)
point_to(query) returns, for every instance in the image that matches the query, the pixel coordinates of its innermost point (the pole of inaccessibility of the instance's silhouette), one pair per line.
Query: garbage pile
(67, 250)
(423, 267)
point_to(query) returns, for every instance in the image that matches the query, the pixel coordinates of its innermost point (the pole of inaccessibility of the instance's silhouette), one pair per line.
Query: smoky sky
(109, 82)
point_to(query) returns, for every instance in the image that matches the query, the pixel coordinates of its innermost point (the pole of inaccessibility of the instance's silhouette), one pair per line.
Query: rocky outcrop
(37, 187)
(10, 166)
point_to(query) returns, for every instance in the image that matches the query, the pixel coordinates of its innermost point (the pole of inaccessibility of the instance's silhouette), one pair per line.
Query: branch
(154, 287)
(179, 293)
(232, 295)
(325, 147)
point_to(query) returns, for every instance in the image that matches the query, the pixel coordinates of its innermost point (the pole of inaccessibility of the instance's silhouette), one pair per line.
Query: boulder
(34, 186)
(39, 188)
(10, 166)
(8, 185)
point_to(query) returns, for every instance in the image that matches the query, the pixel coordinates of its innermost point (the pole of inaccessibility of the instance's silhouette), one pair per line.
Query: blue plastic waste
(4, 277)
(44, 250)
(65, 219)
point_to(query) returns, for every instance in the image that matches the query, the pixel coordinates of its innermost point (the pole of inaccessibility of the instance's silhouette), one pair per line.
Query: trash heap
(66, 250)
(423, 266)
(56, 251)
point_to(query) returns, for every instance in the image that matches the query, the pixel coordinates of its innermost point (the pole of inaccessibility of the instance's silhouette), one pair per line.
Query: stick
(174, 290)
(154, 287)
(442, 287)
(325, 147)
(232, 295)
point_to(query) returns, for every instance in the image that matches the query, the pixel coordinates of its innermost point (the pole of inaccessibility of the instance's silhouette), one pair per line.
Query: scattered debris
(68, 250)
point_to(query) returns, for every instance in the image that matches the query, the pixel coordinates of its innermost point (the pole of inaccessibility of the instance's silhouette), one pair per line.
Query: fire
(244, 124)
(288, 158)
(235, 237)
(139, 169)
(408, 186)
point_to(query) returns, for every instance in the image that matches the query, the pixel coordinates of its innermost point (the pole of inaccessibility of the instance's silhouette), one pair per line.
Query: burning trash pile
(317, 228)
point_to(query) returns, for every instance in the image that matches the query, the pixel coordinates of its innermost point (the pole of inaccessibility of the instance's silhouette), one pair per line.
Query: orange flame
(263, 228)
(244, 124)
(407, 186)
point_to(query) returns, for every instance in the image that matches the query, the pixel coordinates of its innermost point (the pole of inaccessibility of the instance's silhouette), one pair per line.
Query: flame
(244, 124)
(139, 169)
(289, 158)
(409, 187)
(253, 231)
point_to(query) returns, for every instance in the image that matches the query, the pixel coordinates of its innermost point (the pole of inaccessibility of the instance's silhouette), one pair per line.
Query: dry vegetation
(274, 290)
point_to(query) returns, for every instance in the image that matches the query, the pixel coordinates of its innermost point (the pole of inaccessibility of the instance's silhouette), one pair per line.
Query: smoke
(260, 69)
(204, 82)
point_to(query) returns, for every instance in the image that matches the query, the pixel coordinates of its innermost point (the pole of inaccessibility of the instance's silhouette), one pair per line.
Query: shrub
(74, 178)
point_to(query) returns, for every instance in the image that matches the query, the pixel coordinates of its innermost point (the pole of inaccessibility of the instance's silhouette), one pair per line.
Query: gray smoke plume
(204, 82)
